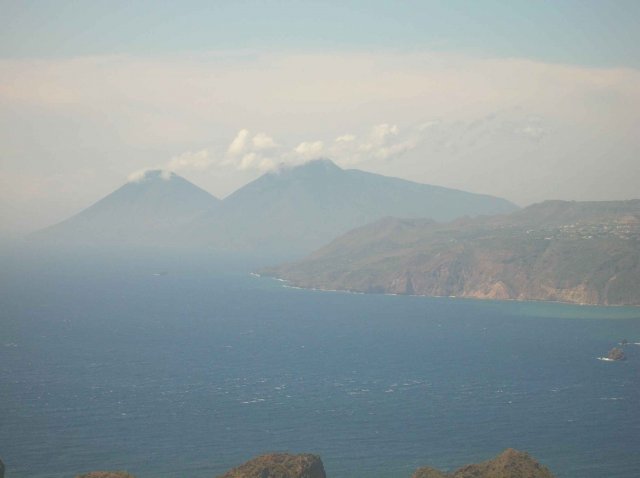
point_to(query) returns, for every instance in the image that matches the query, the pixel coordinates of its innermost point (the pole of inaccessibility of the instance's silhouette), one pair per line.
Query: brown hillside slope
(279, 465)
(509, 464)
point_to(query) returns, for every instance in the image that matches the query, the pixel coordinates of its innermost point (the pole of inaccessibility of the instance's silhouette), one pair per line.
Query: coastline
(633, 309)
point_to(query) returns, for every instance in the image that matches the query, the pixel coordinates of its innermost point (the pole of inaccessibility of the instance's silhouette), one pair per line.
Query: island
(616, 354)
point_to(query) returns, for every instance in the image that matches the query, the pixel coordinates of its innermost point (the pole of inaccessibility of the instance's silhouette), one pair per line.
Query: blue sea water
(186, 367)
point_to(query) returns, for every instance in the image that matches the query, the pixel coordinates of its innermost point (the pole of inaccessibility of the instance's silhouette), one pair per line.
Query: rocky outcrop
(509, 464)
(279, 465)
(106, 474)
(616, 353)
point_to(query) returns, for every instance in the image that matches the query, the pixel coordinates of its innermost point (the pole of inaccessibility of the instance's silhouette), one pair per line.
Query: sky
(524, 100)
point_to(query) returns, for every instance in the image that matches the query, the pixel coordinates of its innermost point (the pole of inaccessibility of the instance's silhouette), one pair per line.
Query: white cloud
(262, 141)
(309, 150)
(383, 142)
(143, 175)
(136, 176)
(239, 143)
(382, 132)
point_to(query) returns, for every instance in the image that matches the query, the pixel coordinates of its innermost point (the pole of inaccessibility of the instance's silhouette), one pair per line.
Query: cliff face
(587, 253)
(279, 465)
(509, 464)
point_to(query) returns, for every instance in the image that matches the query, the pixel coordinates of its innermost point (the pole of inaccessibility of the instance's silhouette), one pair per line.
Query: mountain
(288, 212)
(580, 252)
(509, 464)
(298, 209)
(153, 210)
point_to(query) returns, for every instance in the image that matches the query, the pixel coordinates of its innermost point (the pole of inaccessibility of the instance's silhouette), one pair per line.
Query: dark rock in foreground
(509, 464)
(106, 474)
(616, 353)
(279, 465)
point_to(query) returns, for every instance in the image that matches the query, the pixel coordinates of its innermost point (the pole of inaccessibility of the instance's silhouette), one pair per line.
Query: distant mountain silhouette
(289, 211)
(301, 208)
(153, 210)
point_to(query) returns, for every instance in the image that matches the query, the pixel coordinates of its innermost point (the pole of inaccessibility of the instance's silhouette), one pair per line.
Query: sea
(186, 365)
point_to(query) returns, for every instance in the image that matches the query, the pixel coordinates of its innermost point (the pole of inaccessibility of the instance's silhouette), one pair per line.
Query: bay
(187, 366)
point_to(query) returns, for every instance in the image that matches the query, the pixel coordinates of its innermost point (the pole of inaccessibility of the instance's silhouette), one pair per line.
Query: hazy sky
(524, 100)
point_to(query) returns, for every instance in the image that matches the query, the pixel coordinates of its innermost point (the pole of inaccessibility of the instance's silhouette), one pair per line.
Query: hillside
(587, 253)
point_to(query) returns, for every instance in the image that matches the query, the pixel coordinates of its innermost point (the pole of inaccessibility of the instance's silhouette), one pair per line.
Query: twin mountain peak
(291, 211)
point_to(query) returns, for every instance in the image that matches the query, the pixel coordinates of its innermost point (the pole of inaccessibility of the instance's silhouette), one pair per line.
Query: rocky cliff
(587, 253)
(509, 464)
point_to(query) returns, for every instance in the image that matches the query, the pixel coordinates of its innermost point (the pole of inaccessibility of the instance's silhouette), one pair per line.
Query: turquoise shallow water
(187, 367)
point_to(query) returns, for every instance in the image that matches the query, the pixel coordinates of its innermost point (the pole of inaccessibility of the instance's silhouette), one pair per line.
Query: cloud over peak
(149, 174)
(261, 152)
(239, 143)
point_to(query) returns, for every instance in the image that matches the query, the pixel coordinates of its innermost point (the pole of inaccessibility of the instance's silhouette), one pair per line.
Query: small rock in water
(616, 353)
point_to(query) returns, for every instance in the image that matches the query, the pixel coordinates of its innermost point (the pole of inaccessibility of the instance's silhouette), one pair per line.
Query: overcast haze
(527, 101)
